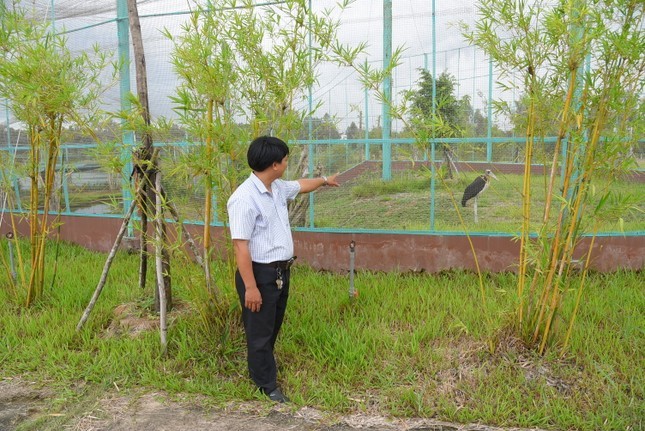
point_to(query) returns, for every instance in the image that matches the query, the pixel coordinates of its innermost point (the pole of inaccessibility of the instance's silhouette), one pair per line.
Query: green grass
(404, 204)
(410, 345)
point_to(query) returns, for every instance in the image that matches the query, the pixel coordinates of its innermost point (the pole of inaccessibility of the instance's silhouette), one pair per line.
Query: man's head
(265, 151)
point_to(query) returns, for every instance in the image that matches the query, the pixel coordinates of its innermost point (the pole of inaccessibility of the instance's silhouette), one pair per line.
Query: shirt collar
(258, 183)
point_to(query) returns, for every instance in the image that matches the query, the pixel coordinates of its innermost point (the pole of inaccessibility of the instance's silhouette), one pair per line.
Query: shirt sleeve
(290, 189)
(241, 216)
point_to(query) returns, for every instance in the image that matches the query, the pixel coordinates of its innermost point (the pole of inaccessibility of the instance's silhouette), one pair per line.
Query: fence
(424, 194)
(427, 181)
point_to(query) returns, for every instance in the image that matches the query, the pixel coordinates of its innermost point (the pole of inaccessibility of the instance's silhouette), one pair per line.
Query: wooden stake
(106, 268)
(159, 244)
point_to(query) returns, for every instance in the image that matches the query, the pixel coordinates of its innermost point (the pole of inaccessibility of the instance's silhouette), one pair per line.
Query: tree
(322, 128)
(446, 118)
(353, 132)
(453, 113)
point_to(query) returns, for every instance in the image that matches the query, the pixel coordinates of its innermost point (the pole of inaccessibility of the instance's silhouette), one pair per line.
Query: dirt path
(24, 404)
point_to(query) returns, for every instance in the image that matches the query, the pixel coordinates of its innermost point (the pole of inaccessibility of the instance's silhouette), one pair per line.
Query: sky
(338, 89)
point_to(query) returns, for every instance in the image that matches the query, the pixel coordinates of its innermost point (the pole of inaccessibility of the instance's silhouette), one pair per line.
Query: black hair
(264, 151)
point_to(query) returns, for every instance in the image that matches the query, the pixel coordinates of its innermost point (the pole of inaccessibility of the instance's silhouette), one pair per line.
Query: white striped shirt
(261, 217)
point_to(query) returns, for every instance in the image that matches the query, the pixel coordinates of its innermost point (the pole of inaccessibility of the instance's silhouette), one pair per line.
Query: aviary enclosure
(125, 129)
(125, 125)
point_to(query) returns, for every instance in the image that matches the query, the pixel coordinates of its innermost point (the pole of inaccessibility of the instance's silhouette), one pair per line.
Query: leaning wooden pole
(159, 245)
(106, 268)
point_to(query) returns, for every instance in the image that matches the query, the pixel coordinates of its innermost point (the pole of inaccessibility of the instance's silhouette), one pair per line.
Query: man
(263, 246)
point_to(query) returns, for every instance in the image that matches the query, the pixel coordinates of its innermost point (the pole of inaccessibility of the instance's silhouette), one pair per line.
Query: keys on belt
(279, 272)
(279, 280)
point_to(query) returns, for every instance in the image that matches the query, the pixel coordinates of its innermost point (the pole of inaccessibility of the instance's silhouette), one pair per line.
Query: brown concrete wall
(381, 252)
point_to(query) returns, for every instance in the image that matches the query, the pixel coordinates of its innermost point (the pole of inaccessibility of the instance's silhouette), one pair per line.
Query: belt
(282, 264)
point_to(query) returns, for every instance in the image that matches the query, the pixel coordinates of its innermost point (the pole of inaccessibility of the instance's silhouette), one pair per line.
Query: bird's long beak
(493, 175)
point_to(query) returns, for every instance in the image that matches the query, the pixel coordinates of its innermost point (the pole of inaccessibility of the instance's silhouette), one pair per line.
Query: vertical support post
(53, 16)
(433, 182)
(123, 31)
(474, 81)
(62, 160)
(387, 89)
(367, 125)
(489, 133)
(434, 116)
(458, 73)
(434, 69)
(13, 178)
(310, 131)
(353, 293)
(576, 34)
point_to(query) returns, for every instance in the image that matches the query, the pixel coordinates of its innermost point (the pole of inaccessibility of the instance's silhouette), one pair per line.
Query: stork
(476, 188)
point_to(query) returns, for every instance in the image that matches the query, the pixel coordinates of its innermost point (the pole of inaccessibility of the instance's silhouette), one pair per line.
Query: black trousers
(262, 327)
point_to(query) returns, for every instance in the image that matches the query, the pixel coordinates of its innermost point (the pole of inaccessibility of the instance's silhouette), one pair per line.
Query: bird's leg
(475, 208)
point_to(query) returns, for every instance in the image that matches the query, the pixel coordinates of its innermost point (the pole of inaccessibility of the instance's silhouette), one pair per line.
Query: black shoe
(277, 396)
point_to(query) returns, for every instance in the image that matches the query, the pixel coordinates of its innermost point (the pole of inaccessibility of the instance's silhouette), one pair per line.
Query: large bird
(476, 188)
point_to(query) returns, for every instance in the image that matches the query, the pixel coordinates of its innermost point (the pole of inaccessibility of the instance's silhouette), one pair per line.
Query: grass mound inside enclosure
(404, 203)
(411, 345)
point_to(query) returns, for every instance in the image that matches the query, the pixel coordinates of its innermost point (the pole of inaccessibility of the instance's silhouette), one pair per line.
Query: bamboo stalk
(208, 197)
(526, 207)
(564, 121)
(185, 232)
(21, 267)
(554, 255)
(33, 211)
(576, 307)
(50, 171)
(7, 266)
(576, 210)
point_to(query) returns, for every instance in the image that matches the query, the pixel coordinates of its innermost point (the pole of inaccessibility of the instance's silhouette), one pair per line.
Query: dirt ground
(23, 404)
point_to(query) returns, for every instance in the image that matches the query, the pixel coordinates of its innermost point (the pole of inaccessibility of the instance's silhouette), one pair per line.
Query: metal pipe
(123, 31)
(12, 262)
(353, 293)
(387, 89)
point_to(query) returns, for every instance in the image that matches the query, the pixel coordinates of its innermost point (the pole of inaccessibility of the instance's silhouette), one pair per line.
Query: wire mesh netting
(347, 131)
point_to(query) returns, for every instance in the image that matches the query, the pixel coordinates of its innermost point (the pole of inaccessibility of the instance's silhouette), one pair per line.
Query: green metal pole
(53, 16)
(62, 157)
(387, 89)
(434, 113)
(64, 162)
(310, 131)
(123, 31)
(474, 81)
(432, 184)
(489, 133)
(458, 73)
(367, 127)
(578, 168)
(14, 179)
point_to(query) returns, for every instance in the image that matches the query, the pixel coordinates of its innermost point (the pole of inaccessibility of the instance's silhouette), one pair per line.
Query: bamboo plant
(47, 86)
(243, 69)
(585, 58)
